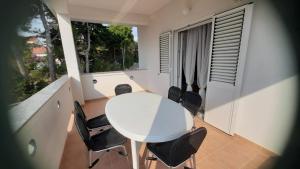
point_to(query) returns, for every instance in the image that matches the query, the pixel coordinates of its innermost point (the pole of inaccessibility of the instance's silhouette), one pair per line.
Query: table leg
(135, 154)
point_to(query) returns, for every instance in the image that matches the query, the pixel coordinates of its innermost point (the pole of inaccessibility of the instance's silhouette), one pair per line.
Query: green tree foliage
(36, 75)
(112, 48)
(108, 44)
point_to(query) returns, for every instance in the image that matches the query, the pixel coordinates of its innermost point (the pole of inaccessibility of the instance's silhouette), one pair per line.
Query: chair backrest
(186, 145)
(191, 101)
(122, 89)
(174, 94)
(79, 110)
(82, 130)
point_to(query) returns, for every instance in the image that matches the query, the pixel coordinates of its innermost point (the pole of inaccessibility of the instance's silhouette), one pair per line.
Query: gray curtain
(189, 60)
(204, 37)
(182, 47)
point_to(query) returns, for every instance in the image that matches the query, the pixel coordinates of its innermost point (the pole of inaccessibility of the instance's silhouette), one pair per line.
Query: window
(104, 47)
(164, 51)
(37, 56)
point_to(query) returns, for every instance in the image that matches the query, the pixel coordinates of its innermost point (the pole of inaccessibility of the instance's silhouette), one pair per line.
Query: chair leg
(150, 156)
(90, 158)
(91, 162)
(147, 155)
(194, 161)
(194, 127)
(126, 154)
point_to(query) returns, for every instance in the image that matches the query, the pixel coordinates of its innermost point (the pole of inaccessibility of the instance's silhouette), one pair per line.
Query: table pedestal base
(135, 149)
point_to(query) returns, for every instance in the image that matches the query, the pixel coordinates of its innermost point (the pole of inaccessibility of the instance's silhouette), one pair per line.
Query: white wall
(107, 81)
(267, 103)
(45, 123)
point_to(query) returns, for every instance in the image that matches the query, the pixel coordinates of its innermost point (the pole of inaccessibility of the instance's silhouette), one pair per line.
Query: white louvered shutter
(226, 47)
(226, 66)
(164, 51)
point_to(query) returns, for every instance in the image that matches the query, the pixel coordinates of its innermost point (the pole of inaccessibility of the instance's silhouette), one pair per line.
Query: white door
(227, 59)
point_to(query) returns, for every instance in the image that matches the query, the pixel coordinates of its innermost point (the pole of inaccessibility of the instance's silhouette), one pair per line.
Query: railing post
(67, 39)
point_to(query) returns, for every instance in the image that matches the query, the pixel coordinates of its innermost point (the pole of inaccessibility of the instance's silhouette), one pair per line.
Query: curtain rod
(194, 25)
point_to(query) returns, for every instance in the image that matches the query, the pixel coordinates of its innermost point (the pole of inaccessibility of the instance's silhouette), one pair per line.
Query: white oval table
(147, 117)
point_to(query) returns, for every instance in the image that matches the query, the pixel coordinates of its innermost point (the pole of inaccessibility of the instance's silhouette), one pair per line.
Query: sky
(36, 24)
(135, 34)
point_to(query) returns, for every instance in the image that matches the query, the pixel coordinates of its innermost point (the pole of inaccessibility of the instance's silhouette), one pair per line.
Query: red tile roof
(39, 50)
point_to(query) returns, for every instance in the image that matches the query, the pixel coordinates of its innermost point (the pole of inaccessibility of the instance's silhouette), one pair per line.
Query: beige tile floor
(218, 151)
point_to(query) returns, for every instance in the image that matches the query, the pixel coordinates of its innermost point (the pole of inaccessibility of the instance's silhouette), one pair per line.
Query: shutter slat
(225, 55)
(224, 61)
(239, 25)
(227, 74)
(232, 19)
(222, 68)
(228, 38)
(223, 77)
(224, 58)
(235, 47)
(223, 65)
(222, 80)
(240, 21)
(228, 31)
(224, 71)
(228, 34)
(226, 52)
(227, 42)
(230, 15)
(226, 45)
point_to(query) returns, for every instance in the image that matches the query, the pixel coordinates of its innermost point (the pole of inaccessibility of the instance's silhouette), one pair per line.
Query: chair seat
(98, 121)
(162, 151)
(107, 139)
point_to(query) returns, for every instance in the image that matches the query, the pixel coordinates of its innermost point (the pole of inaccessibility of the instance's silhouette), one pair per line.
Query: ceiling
(144, 7)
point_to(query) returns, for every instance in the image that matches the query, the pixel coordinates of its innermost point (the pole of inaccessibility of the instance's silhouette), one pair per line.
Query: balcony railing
(40, 123)
(101, 85)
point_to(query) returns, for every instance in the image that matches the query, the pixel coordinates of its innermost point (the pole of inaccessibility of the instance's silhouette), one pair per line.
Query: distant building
(39, 53)
(34, 40)
(31, 40)
(38, 50)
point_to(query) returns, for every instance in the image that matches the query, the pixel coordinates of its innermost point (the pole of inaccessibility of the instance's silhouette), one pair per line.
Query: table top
(148, 117)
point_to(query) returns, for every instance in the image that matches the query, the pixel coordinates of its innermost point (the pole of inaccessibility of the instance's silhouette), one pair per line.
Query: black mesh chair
(104, 141)
(192, 102)
(174, 94)
(122, 89)
(174, 153)
(96, 123)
